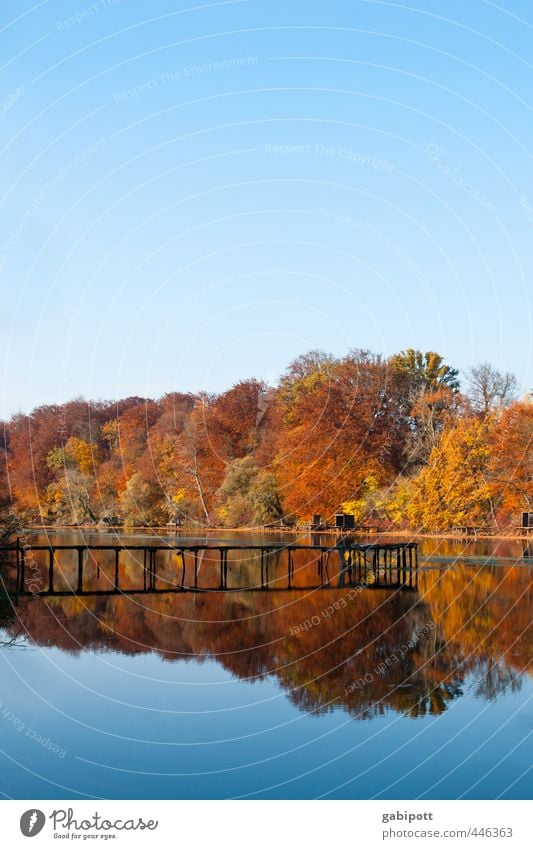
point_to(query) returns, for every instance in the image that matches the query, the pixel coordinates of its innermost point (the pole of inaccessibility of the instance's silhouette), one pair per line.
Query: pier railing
(58, 570)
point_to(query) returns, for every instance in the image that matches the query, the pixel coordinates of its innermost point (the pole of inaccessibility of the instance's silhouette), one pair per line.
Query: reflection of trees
(13, 638)
(6, 610)
(9, 526)
(364, 652)
(434, 699)
(494, 678)
(484, 611)
(15, 641)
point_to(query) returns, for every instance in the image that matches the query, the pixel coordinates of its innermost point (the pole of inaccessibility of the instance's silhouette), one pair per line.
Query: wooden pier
(82, 570)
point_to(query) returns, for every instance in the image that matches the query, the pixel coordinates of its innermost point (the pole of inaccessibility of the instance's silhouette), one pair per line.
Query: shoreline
(121, 529)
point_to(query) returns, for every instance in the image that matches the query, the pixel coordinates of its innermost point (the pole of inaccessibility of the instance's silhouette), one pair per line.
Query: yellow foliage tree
(452, 490)
(85, 455)
(360, 505)
(395, 503)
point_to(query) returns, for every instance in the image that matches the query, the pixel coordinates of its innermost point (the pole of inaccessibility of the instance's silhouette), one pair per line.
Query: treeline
(394, 441)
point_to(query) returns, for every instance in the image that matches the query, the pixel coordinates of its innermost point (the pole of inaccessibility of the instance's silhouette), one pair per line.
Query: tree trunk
(201, 494)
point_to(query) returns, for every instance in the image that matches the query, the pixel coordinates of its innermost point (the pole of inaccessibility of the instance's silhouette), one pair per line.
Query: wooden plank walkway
(278, 566)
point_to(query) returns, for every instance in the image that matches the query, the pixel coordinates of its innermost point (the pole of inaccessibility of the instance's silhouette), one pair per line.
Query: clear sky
(194, 193)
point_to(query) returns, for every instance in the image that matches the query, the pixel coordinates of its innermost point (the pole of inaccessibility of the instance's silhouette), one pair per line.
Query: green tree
(248, 495)
(141, 502)
(427, 372)
(427, 394)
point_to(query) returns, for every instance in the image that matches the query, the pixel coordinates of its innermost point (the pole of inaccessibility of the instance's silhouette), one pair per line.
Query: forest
(401, 442)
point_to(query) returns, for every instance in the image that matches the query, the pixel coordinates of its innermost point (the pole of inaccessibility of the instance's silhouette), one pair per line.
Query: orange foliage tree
(511, 461)
(339, 430)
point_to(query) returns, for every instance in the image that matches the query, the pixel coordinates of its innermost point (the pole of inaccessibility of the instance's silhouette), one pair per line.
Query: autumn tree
(29, 441)
(233, 420)
(9, 521)
(339, 429)
(71, 495)
(140, 501)
(133, 428)
(198, 466)
(452, 490)
(511, 459)
(430, 413)
(125, 450)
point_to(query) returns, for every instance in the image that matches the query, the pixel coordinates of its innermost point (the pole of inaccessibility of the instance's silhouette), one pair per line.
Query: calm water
(333, 693)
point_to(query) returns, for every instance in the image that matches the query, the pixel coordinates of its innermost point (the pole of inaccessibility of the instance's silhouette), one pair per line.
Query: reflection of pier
(64, 570)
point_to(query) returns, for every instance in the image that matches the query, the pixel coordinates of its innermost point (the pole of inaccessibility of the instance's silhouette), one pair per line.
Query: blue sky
(194, 193)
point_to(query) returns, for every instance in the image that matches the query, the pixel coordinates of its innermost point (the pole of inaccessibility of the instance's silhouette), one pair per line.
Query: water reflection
(364, 651)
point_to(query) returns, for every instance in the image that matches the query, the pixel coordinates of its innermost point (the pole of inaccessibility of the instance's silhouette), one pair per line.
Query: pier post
(182, 568)
(17, 582)
(51, 570)
(153, 554)
(22, 569)
(80, 570)
(398, 565)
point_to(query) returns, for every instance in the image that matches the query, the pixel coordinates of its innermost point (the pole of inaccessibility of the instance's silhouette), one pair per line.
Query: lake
(329, 693)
